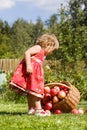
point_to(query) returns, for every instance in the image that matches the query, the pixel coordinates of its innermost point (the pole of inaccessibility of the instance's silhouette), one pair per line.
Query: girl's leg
(34, 106)
(38, 103)
(34, 102)
(31, 103)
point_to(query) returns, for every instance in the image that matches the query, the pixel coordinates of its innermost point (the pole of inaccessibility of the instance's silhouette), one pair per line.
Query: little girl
(28, 79)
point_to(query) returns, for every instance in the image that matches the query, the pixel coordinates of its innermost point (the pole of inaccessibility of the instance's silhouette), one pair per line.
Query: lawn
(14, 117)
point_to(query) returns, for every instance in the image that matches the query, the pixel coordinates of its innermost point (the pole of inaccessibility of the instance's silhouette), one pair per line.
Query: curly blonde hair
(48, 40)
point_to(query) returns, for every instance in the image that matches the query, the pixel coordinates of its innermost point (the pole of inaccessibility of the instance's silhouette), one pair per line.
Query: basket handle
(61, 84)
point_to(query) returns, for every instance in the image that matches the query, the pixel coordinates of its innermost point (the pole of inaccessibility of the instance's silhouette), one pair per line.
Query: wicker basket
(70, 101)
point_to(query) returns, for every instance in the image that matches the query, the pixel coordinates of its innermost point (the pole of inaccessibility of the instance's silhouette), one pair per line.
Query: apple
(86, 111)
(57, 88)
(74, 111)
(66, 91)
(80, 111)
(57, 111)
(62, 87)
(48, 106)
(53, 91)
(46, 89)
(47, 96)
(61, 94)
(55, 99)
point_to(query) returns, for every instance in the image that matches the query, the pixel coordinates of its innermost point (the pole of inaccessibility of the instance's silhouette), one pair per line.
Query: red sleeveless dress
(32, 83)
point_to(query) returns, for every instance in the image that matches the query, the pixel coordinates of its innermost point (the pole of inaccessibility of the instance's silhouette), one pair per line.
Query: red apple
(57, 88)
(74, 111)
(80, 111)
(61, 94)
(66, 91)
(46, 89)
(55, 99)
(47, 96)
(57, 111)
(86, 111)
(61, 87)
(48, 106)
(53, 91)
(65, 88)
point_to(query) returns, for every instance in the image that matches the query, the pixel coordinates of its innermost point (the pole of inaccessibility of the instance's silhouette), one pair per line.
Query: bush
(55, 71)
(8, 95)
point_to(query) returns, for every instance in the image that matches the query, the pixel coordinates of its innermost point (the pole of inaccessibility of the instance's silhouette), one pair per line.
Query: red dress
(32, 83)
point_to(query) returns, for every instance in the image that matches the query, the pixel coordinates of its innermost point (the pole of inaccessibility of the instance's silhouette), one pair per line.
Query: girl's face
(48, 50)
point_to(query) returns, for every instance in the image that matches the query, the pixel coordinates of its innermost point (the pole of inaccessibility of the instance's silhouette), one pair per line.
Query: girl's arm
(30, 52)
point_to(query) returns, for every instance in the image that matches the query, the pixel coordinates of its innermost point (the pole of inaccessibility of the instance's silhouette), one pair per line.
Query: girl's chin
(46, 54)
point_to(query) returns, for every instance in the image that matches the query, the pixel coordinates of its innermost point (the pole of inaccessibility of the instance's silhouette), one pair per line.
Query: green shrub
(55, 71)
(9, 95)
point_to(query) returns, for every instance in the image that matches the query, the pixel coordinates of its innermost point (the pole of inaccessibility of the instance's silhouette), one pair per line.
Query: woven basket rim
(58, 83)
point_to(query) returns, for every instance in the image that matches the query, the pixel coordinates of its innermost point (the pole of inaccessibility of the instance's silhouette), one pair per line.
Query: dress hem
(24, 92)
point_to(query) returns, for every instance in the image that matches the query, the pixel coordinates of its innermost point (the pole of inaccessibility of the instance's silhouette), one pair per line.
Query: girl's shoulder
(40, 55)
(37, 46)
(38, 49)
(33, 50)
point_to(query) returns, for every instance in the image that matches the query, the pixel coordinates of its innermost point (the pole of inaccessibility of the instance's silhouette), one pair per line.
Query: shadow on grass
(12, 113)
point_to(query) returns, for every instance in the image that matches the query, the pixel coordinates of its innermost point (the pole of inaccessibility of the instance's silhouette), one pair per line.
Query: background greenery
(68, 63)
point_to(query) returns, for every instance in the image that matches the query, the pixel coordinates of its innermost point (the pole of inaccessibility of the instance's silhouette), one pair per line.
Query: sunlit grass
(15, 117)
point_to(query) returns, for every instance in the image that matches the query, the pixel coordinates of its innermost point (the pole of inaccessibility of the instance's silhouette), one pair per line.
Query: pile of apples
(79, 111)
(52, 96)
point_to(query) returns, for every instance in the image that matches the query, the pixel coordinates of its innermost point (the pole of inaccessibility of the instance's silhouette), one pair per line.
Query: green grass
(14, 117)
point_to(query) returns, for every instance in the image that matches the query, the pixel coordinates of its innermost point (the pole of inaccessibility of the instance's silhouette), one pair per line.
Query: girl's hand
(30, 52)
(29, 69)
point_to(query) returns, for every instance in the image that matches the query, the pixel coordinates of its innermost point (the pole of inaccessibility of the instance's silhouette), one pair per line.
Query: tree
(4, 46)
(21, 33)
(5, 39)
(78, 11)
(5, 28)
(51, 23)
(1, 25)
(38, 29)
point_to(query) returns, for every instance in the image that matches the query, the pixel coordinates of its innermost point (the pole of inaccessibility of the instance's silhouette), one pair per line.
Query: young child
(28, 79)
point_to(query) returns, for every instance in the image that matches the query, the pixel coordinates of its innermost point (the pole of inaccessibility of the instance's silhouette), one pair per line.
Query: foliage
(8, 95)
(78, 12)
